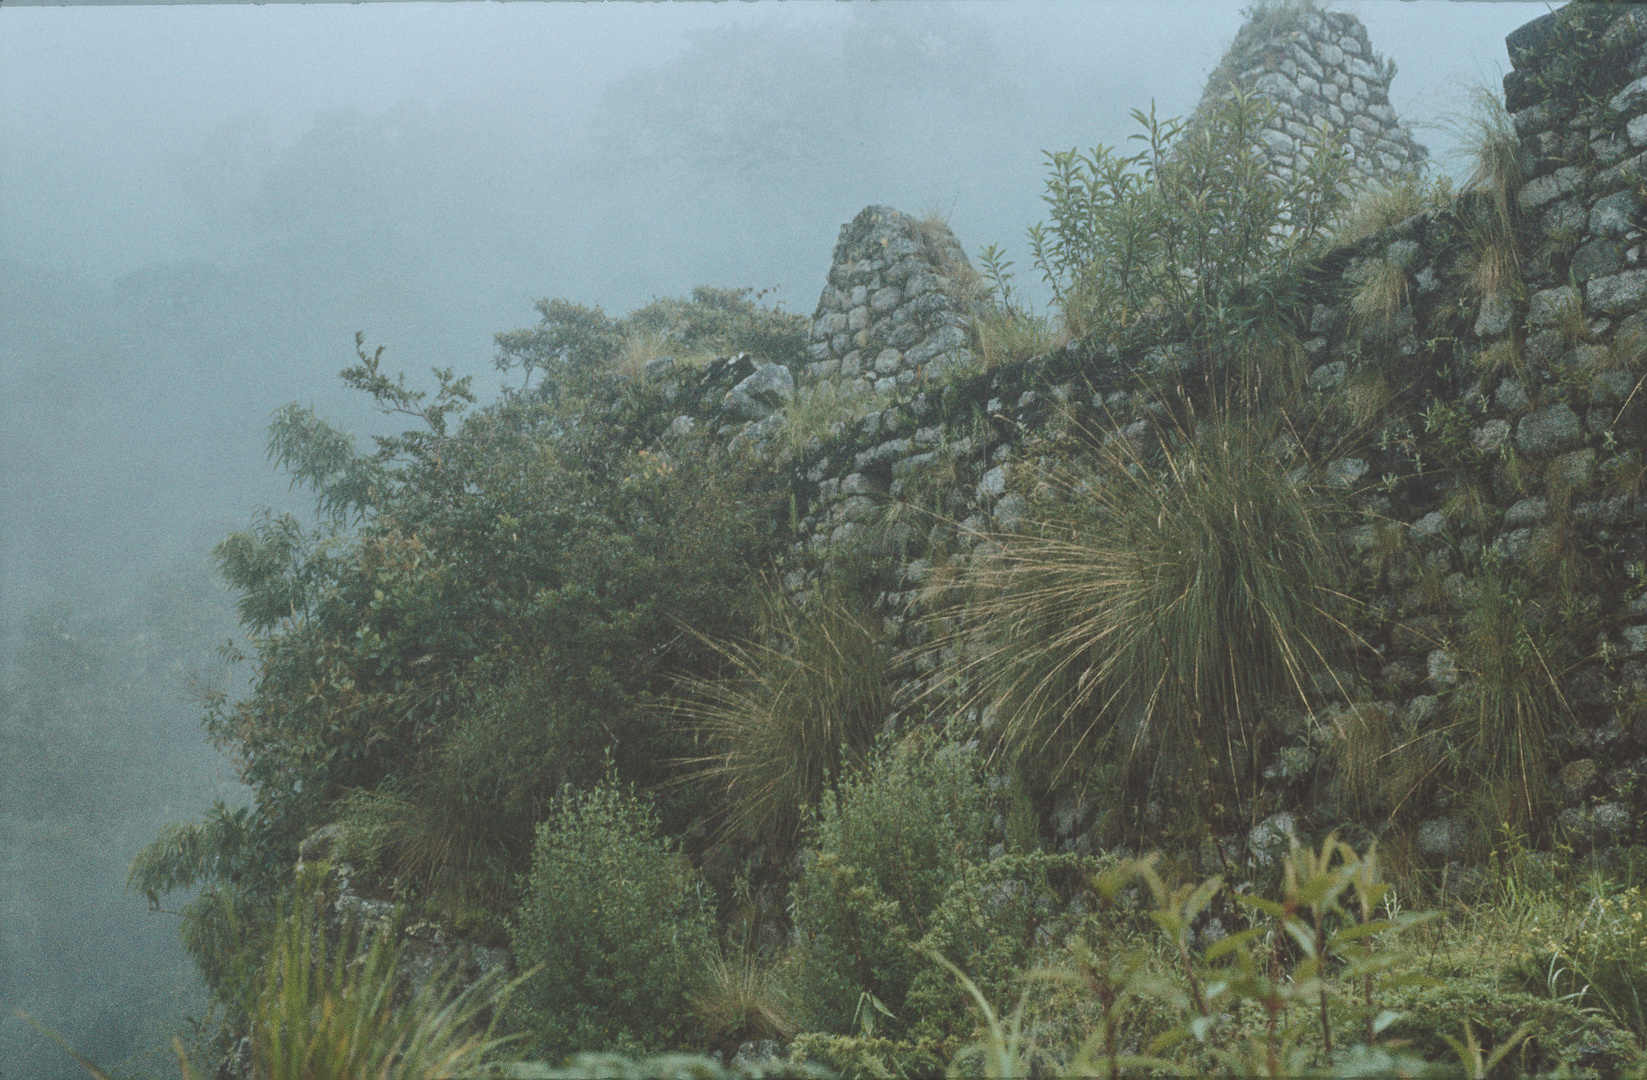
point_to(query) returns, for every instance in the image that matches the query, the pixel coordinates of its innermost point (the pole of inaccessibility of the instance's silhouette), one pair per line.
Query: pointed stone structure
(1319, 70)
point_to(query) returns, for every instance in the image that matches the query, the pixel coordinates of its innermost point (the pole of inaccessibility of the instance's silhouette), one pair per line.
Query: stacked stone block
(1317, 68)
(1578, 97)
(894, 313)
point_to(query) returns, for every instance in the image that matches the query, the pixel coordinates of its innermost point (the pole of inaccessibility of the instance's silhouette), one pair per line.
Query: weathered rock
(1495, 316)
(1272, 839)
(1596, 259)
(762, 393)
(1577, 776)
(1617, 294)
(1443, 837)
(1545, 189)
(1549, 430)
(1615, 214)
(1591, 826)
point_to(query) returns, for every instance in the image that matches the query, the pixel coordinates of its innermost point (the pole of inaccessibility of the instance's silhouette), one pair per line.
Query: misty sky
(200, 205)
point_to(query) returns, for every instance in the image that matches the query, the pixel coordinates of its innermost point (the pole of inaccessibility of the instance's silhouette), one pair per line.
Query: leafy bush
(1533, 1034)
(998, 920)
(1598, 962)
(725, 321)
(1297, 992)
(888, 846)
(1183, 228)
(619, 924)
(494, 598)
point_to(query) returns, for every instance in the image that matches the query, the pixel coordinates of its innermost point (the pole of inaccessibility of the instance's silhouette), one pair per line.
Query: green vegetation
(1151, 610)
(796, 709)
(494, 605)
(557, 673)
(887, 848)
(617, 924)
(1193, 237)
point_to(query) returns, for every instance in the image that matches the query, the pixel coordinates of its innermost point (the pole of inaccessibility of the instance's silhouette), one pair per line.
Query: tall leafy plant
(619, 923)
(1183, 234)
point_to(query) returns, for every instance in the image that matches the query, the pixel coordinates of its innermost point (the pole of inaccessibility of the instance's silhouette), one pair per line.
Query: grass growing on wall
(796, 710)
(1154, 606)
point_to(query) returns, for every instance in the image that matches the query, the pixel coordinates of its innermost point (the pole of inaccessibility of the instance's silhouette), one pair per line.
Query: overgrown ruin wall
(1477, 420)
(1531, 396)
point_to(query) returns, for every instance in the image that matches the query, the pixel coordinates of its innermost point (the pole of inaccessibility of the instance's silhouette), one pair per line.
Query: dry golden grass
(1150, 610)
(742, 998)
(1380, 290)
(1366, 394)
(798, 707)
(1006, 337)
(1379, 207)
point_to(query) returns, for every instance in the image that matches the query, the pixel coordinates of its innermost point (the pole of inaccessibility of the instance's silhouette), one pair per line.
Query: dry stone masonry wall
(1319, 71)
(894, 312)
(1532, 398)
(1508, 426)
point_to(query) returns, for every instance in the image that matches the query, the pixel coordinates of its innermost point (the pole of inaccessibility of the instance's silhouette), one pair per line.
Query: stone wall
(895, 310)
(1527, 401)
(1323, 77)
(1508, 425)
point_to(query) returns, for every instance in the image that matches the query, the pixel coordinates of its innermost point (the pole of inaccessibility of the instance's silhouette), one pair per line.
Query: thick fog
(201, 205)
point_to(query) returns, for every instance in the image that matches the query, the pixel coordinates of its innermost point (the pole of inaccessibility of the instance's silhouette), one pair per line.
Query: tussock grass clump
(824, 407)
(430, 838)
(332, 1012)
(742, 998)
(797, 708)
(1006, 337)
(1152, 606)
(1495, 148)
(1379, 762)
(1380, 290)
(332, 1004)
(1378, 207)
(1495, 174)
(1510, 711)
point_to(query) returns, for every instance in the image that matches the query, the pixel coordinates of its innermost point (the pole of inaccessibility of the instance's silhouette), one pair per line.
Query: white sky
(95, 102)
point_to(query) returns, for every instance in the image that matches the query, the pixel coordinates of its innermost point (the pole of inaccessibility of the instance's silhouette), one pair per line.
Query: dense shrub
(887, 848)
(490, 604)
(1198, 233)
(618, 924)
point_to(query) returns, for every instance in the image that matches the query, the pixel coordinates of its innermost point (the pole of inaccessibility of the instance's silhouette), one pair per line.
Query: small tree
(619, 923)
(1195, 233)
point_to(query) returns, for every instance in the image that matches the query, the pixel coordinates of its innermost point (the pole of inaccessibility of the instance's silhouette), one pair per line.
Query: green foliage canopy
(1195, 233)
(492, 600)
